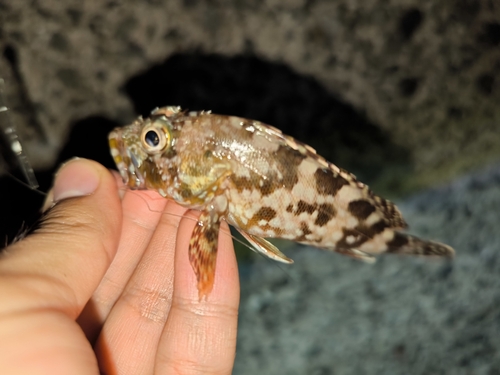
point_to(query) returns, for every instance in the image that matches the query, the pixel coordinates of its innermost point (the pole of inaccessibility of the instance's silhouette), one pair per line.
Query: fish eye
(155, 138)
(152, 138)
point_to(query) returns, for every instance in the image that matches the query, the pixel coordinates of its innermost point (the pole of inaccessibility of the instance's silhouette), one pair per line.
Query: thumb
(62, 262)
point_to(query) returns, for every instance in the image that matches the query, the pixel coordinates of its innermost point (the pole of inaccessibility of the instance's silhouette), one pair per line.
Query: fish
(262, 182)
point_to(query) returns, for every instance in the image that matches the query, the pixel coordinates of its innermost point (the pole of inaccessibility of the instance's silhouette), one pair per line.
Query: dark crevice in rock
(490, 34)
(408, 86)
(485, 83)
(410, 22)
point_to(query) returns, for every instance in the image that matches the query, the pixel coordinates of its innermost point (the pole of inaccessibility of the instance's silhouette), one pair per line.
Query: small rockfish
(262, 182)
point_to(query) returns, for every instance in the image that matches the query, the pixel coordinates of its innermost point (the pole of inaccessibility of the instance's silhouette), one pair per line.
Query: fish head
(140, 148)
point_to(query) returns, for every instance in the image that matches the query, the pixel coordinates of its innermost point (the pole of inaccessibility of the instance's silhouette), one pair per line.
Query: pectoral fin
(265, 247)
(203, 251)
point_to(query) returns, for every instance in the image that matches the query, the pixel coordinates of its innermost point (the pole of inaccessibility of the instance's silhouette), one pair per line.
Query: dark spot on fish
(359, 239)
(241, 183)
(305, 207)
(305, 228)
(397, 242)
(327, 183)
(289, 208)
(287, 155)
(267, 187)
(186, 193)
(264, 213)
(211, 234)
(361, 208)
(376, 228)
(372, 231)
(391, 213)
(288, 161)
(305, 231)
(326, 212)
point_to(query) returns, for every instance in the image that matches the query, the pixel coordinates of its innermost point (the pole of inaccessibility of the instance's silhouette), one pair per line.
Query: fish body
(264, 183)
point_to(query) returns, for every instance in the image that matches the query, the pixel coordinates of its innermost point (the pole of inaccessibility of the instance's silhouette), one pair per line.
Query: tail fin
(403, 243)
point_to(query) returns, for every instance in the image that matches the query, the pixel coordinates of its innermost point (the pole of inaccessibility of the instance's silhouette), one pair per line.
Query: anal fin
(265, 247)
(203, 251)
(357, 254)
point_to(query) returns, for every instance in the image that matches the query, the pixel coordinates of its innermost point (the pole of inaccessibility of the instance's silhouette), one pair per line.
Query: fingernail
(76, 178)
(49, 201)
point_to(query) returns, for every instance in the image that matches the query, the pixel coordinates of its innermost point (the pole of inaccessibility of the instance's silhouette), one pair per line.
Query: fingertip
(77, 177)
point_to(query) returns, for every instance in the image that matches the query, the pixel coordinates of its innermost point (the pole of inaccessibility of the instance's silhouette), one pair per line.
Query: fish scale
(262, 182)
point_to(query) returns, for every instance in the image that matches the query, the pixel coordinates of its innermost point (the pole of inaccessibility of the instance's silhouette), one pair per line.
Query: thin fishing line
(30, 187)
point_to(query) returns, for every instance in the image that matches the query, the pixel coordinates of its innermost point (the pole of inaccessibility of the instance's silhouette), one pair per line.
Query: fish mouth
(126, 161)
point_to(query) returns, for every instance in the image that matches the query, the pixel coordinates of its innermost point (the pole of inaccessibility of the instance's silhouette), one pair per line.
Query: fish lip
(126, 161)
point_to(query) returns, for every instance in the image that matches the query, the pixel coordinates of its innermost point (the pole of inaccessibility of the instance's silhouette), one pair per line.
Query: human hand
(105, 285)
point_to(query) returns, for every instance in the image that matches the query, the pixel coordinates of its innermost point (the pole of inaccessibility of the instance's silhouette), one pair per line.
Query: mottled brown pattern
(211, 234)
(363, 232)
(153, 174)
(391, 213)
(203, 252)
(305, 207)
(265, 213)
(288, 161)
(407, 244)
(268, 187)
(361, 208)
(326, 212)
(305, 228)
(343, 244)
(305, 231)
(186, 193)
(373, 230)
(242, 183)
(289, 208)
(327, 183)
(286, 155)
(397, 242)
